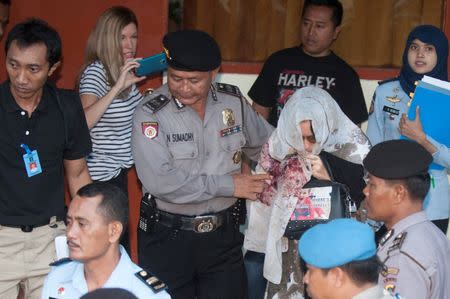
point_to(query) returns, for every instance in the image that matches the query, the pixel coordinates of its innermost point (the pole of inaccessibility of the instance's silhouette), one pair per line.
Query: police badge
(228, 117)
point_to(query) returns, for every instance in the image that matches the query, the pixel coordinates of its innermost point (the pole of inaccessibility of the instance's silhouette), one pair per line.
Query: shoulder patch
(387, 80)
(150, 129)
(156, 103)
(60, 262)
(151, 281)
(228, 89)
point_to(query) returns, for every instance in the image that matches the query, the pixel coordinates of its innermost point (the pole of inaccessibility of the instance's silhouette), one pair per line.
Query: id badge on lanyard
(31, 161)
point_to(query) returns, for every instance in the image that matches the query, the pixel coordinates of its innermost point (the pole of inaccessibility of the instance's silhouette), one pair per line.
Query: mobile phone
(152, 64)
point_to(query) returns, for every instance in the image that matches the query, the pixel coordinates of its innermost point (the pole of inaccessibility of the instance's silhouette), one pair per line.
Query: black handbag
(340, 205)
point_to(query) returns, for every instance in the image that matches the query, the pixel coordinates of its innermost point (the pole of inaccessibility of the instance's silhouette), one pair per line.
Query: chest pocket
(391, 116)
(183, 150)
(232, 143)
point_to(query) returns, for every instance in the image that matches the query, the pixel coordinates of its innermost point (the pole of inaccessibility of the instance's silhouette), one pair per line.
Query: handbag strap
(327, 167)
(351, 208)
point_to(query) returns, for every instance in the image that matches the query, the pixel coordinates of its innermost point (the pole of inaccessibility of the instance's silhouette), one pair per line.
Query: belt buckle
(205, 224)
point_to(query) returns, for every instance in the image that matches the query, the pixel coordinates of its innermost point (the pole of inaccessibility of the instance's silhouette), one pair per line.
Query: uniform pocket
(184, 150)
(233, 142)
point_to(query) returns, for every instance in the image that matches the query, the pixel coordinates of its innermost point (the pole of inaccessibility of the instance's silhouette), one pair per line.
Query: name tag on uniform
(31, 161)
(391, 110)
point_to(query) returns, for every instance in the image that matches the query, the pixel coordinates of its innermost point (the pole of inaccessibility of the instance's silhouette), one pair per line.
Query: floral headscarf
(334, 131)
(282, 157)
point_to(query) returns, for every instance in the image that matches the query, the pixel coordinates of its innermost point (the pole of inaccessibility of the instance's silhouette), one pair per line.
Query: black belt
(198, 224)
(27, 228)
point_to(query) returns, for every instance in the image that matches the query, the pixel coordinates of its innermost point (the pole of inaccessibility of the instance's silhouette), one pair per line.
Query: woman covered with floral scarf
(311, 127)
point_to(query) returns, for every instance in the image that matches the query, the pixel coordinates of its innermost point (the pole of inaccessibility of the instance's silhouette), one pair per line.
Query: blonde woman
(109, 94)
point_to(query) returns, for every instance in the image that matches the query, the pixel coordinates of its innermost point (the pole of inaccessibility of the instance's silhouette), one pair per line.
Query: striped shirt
(111, 136)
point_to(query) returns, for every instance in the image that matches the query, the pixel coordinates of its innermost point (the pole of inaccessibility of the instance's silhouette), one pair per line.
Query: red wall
(74, 20)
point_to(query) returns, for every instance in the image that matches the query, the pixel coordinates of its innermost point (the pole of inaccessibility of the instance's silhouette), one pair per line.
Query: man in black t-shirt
(312, 63)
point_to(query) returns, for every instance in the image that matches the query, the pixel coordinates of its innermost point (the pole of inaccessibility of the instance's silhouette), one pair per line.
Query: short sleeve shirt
(287, 70)
(57, 130)
(67, 281)
(187, 162)
(416, 255)
(111, 135)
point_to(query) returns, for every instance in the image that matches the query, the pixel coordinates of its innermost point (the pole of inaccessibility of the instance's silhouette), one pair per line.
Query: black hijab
(430, 35)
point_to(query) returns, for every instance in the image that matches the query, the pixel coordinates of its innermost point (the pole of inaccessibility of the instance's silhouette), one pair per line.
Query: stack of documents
(433, 98)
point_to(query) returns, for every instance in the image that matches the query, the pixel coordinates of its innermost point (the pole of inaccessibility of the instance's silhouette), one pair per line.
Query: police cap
(191, 50)
(337, 243)
(397, 159)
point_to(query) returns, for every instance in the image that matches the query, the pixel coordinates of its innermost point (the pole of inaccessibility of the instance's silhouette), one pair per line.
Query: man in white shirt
(96, 220)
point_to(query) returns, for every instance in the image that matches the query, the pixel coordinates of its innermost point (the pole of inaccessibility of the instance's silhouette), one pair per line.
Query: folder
(433, 97)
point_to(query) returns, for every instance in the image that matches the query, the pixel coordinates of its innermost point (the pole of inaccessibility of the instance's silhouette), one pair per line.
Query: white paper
(436, 82)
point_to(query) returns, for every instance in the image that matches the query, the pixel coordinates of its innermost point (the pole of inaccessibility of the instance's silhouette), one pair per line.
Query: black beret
(397, 159)
(192, 50)
(110, 293)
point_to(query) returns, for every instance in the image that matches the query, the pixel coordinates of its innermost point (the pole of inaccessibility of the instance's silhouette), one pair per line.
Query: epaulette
(386, 237)
(387, 80)
(397, 242)
(156, 103)
(228, 89)
(153, 282)
(60, 262)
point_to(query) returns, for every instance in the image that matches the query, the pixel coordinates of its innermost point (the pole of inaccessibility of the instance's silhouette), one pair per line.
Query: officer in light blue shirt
(95, 222)
(425, 53)
(388, 104)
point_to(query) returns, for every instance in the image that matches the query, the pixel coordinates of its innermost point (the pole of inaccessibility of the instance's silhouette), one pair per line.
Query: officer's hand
(249, 186)
(127, 76)
(412, 129)
(317, 168)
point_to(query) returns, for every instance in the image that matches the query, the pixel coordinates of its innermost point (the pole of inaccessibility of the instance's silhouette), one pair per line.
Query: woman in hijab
(311, 127)
(426, 53)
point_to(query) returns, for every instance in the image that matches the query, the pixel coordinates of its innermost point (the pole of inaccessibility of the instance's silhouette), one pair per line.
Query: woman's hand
(94, 108)
(318, 169)
(414, 131)
(412, 128)
(127, 76)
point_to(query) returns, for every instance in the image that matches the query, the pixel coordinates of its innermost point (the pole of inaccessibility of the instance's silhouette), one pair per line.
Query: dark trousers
(121, 181)
(195, 265)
